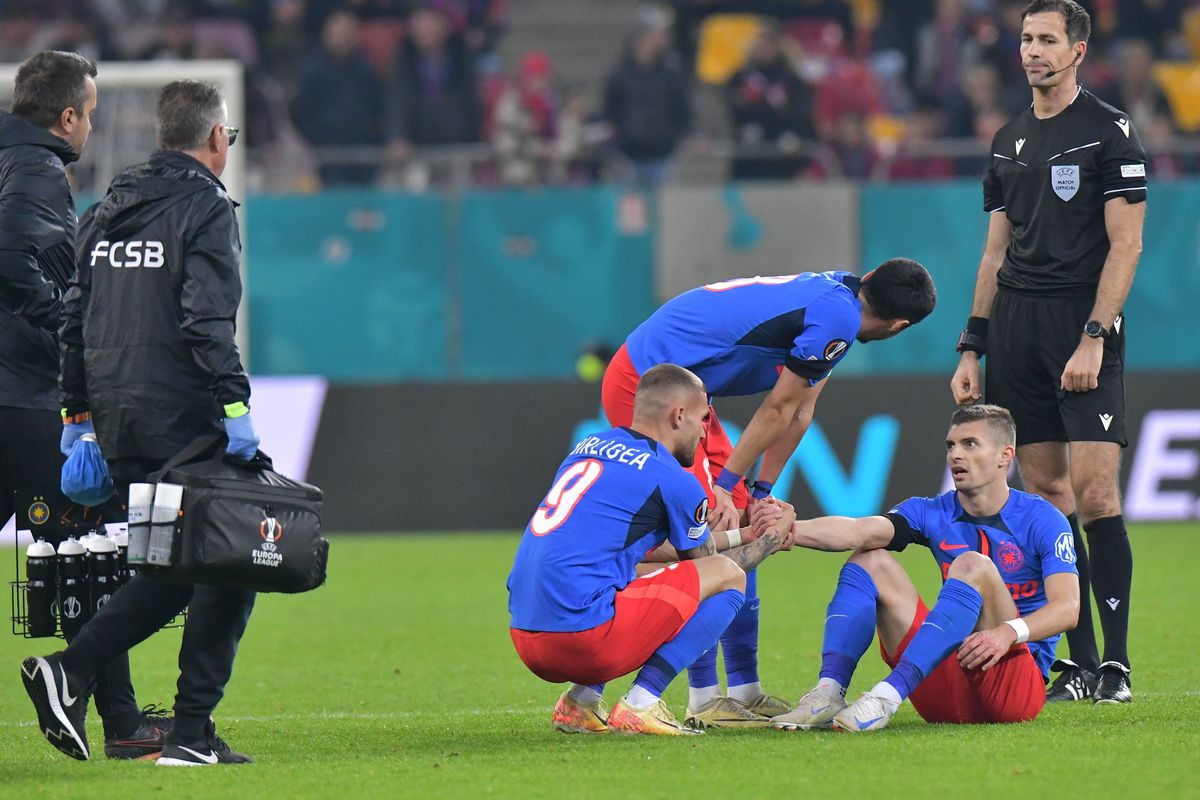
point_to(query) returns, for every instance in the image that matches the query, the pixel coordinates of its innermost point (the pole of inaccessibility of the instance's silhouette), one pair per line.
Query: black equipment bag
(243, 524)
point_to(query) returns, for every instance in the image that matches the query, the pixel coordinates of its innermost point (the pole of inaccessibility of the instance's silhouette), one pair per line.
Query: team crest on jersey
(39, 512)
(1064, 547)
(1065, 181)
(1010, 557)
(835, 348)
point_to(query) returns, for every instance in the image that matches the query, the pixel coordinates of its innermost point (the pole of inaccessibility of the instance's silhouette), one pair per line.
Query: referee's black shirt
(1052, 178)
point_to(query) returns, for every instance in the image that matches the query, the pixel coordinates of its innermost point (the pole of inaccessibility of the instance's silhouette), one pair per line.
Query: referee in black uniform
(1066, 190)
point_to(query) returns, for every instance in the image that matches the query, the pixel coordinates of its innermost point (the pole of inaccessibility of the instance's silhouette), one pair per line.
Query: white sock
(831, 683)
(887, 691)
(584, 695)
(640, 697)
(747, 693)
(697, 697)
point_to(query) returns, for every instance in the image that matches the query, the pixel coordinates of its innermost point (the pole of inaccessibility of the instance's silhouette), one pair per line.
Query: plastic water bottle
(141, 501)
(167, 499)
(119, 534)
(102, 562)
(74, 599)
(41, 573)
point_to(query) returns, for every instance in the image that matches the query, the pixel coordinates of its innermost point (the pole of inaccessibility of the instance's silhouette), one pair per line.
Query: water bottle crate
(20, 607)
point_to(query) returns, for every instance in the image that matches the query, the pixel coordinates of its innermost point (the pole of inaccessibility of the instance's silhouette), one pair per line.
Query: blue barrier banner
(349, 285)
(546, 272)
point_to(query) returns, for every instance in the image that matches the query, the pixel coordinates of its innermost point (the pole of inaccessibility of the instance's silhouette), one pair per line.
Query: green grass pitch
(398, 679)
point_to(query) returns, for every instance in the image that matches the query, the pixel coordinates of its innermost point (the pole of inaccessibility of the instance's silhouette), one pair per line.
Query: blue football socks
(951, 620)
(695, 638)
(739, 642)
(849, 624)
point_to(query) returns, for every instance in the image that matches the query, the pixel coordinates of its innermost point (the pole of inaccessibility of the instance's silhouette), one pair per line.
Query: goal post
(123, 133)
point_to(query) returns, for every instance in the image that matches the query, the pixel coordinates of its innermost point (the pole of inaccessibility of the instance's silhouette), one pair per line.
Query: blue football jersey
(1028, 540)
(616, 497)
(738, 335)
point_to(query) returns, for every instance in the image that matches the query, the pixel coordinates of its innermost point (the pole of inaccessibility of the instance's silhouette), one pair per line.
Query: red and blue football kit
(1028, 541)
(578, 613)
(737, 336)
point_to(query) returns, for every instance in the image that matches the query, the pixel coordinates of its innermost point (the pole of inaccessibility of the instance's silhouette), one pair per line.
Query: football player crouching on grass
(1010, 589)
(580, 611)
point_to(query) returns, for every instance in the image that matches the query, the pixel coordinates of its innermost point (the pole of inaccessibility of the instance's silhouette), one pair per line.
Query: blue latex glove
(243, 441)
(85, 478)
(71, 433)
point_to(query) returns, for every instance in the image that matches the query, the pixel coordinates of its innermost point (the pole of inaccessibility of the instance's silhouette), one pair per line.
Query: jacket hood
(16, 131)
(143, 192)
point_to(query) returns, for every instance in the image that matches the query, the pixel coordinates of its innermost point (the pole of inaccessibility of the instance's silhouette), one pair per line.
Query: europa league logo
(270, 530)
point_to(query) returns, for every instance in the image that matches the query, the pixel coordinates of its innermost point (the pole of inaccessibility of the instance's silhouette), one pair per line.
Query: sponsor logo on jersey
(1010, 557)
(1133, 170)
(1020, 144)
(697, 532)
(1064, 547)
(835, 348)
(1064, 181)
(1123, 124)
(131, 255)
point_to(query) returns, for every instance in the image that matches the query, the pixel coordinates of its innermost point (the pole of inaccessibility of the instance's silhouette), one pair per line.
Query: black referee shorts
(1030, 340)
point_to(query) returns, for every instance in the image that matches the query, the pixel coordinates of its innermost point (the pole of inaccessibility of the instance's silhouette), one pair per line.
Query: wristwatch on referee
(974, 336)
(1095, 330)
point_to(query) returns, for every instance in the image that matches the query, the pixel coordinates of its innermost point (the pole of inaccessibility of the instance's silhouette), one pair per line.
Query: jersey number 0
(563, 495)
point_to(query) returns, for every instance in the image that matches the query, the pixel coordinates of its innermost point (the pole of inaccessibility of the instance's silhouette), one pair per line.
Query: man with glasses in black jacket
(151, 315)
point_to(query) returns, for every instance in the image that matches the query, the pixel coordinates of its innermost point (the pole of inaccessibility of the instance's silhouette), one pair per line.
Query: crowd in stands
(785, 89)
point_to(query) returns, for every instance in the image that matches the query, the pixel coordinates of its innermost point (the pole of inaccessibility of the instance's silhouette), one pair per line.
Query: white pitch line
(347, 715)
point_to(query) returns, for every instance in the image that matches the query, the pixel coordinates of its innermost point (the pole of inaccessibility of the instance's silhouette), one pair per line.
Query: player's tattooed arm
(706, 548)
(777, 536)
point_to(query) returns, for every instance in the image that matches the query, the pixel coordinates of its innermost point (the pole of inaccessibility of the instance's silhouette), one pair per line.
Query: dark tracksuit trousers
(217, 618)
(31, 467)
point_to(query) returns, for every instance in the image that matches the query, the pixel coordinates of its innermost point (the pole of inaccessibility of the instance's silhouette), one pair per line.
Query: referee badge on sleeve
(1065, 181)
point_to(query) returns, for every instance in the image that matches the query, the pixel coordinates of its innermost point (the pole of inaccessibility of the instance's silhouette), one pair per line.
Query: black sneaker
(147, 741)
(206, 752)
(1073, 683)
(61, 700)
(1114, 684)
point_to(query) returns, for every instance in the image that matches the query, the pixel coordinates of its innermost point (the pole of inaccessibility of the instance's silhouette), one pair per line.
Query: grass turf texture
(398, 679)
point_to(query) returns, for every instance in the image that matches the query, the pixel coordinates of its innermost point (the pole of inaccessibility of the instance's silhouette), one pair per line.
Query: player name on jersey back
(612, 450)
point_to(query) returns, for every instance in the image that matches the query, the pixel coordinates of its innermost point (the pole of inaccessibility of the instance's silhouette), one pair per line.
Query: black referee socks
(1082, 641)
(1112, 573)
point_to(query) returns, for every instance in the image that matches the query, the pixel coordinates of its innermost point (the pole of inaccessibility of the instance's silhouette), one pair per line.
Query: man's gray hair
(187, 112)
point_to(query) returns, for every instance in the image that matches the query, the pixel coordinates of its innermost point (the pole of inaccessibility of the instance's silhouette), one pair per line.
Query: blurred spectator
(770, 106)
(646, 99)
(1150, 20)
(480, 24)
(850, 153)
(436, 100)
(979, 93)
(850, 88)
(910, 163)
(175, 40)
(523, 123)
(940, 51)
(1135, 91)
(339, 102)
(286, 43)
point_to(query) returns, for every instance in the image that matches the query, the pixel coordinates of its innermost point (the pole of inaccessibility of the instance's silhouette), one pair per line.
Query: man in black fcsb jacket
(1066, 191)
(54, 96)
(148, 353)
